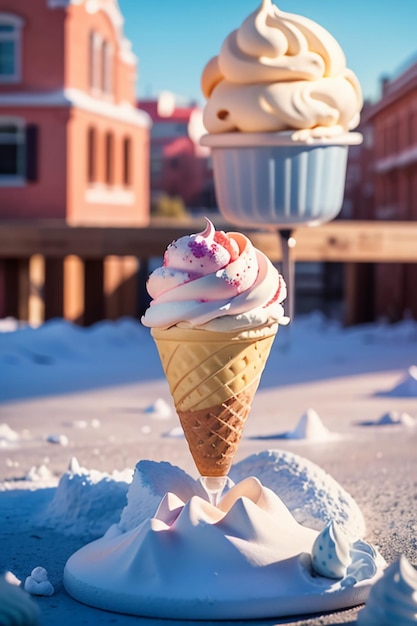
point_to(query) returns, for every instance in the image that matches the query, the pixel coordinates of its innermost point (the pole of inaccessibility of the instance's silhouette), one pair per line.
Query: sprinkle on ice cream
(217, 281)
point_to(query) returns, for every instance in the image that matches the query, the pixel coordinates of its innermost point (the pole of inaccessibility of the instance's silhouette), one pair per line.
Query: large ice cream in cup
(281, 105)
(215, 310)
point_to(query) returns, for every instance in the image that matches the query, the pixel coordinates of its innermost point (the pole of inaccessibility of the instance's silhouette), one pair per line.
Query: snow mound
(313, 497)
(90, 503)
(151, 481)
(407, 387)
(86, 502)
(311, 427)
(159, 409)
(396, 417)
(8, 436)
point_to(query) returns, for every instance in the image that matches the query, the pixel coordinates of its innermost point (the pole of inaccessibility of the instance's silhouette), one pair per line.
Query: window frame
(106, 68)
(127, 161)
(16, 22)
(18, 179)
(95, 45)
(91, 155)
(109, 144)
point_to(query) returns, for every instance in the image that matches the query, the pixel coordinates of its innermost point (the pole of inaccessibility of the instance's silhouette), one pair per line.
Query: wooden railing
(85, 274)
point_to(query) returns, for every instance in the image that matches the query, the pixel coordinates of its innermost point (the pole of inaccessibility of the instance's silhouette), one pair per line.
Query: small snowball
(62, 440)
(37, 584)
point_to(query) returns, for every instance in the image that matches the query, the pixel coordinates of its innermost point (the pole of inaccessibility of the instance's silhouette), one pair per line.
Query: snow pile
(86, 503)
(8, 436)
(41, 475)
(310, 427)
(159, 409)
(396, 417)
(407, 387)
(313, 497)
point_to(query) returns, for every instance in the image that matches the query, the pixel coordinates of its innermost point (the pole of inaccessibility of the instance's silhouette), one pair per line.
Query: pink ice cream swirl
(217, 280)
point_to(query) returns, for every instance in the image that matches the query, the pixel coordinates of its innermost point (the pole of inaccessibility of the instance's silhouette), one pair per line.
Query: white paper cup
(267, 179)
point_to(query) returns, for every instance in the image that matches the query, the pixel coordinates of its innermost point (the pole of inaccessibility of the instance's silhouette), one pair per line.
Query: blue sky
(173, 39)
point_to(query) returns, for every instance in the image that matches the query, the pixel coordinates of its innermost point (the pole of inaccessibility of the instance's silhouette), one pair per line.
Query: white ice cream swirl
(393, 598)
(331, 552)
(280, 71)
(216, 280)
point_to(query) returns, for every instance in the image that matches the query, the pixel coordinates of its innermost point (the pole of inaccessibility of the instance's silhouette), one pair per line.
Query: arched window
(127, 161)
(106, 68)
(91, 155)
(94, 61)
(109, 149)
(12, 150)
(10, 48)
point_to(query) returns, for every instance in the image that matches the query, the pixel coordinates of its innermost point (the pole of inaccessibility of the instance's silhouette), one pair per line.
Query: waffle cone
(213, 377)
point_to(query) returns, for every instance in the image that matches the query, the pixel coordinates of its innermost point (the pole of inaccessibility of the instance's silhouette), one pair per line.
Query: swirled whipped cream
(217, 281)
(280, 71)
(331, 552)
(393, 598)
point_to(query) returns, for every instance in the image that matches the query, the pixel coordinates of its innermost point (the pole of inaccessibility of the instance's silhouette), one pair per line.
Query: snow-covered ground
(344, 400)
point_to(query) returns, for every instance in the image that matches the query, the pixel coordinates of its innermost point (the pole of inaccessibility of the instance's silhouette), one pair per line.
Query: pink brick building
(179, 166)
(73, 145)
(393, 123)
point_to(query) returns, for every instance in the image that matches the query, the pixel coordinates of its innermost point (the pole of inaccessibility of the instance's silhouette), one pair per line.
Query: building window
(413, 125)
(94, 61)
(109, 149)
(106, 68)
(91, 155)
(100, 64)
(169, 130)
(127, 161)
(10, 48)
(12, 151)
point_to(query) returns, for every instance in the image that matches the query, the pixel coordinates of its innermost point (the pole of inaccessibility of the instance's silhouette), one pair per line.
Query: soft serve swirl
(216, 280)
(280, 71)
(331, 552)
(393, 598)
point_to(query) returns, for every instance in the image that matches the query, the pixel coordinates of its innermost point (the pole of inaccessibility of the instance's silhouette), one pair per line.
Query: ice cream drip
(393, 598)
(280, 71)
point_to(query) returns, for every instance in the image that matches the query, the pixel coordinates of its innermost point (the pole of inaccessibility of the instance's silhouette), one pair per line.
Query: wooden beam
(338, 241)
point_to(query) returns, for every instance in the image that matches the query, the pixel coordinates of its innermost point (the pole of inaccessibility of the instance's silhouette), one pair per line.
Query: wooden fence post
(16, 288)
(54, 288)
(359, 293)
(93, 291)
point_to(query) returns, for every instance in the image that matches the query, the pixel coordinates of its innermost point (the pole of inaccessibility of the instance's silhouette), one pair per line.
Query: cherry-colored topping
(221, 238)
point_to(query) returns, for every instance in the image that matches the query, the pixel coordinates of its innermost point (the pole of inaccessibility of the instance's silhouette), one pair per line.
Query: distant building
(359, 189)
(179, 165)
(392, 124)
(73, 145)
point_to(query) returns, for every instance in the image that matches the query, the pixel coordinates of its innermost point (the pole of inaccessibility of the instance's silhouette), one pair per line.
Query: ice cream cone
(213, 377)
